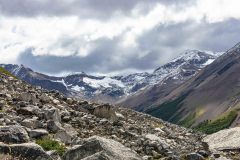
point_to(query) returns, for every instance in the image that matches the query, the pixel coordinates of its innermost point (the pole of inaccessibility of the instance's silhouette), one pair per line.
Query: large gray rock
(52, 113)
(100, 148)
(54, 126)
(38, 133)
(44, 98)
(32, 123)
(158, 141)
(104, 111)
(227, 139)
(67, 134)
(194, 156)
(26, 151)
(28, 97)
(13, 134)
(29, 110)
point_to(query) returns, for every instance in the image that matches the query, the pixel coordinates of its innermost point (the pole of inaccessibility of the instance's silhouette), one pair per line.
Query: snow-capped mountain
(110, 89)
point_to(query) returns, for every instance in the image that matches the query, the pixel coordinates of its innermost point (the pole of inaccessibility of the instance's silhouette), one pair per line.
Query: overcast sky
(112, 36)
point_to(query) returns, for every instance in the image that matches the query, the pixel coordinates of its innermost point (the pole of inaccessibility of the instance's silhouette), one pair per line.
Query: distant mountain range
(209, 101)
(115, 89)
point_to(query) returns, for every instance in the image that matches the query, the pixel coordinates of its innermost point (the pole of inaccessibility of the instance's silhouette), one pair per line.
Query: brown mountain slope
(211, 94)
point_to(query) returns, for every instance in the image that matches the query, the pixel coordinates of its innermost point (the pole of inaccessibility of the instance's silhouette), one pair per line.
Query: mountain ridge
(207, 99)
(41, 124)
(115, 88)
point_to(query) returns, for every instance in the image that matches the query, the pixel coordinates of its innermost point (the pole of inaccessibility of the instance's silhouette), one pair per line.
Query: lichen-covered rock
(38, 133)
(194, 156)
(54, 126)
(227, 139)
(52, 113)
(26, 151)
(13, 134)
(101, 148)
(67, 134)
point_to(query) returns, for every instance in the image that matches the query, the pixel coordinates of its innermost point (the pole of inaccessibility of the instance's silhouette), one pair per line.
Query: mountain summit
(208, 101)
(168, 77)
(115, 89)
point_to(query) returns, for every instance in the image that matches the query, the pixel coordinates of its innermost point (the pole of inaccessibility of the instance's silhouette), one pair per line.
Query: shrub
(188, 121)
(210, 127)
(48, 144)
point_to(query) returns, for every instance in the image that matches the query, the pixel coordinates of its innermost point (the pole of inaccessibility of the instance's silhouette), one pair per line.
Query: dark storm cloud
(155, 45)
(81, 8)
(218, 36)
(158, 45)
(170, 40)
(104, 59)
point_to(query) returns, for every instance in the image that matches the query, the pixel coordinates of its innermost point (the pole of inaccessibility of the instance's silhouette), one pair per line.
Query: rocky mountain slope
(39, 124)
(169, 77)
(113, 89)
(211, 97)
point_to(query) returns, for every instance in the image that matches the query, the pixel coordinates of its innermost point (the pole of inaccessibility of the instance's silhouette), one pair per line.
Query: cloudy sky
(112, 36)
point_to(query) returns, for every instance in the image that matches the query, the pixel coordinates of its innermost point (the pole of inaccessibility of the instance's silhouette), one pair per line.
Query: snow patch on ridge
(106, 82)
(77, 88)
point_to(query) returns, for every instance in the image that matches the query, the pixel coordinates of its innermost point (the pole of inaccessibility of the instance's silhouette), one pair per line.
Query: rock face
(227, 139)
(13, 134)
(225, 142)
(207, 96)
(99, 131)
(168, 77)
(101, 148)
(27, 151)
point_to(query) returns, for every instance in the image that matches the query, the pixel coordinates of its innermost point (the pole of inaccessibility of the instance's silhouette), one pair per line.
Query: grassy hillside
(191, 118)
(2, 70)
(188, 121)
(220, 123)
(166, 110)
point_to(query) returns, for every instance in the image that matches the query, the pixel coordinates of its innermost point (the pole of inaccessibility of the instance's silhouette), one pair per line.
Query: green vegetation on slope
(210, 127)
(188, 121)
(191, 118)
(48, 144)
(2, 70)
(166, 110)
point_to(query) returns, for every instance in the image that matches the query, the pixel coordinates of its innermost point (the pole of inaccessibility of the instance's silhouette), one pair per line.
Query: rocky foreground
(42, 125)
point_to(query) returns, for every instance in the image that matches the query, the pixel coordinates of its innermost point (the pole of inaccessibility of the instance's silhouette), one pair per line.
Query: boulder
(13, 134)
(158, 141)
(28, 97)
(52, 113)
(67, 135)
(29, 110)
(32, 123)
(100, 148)
(194, 156)
(44, 98)
(54, 126)
(104, 111)
(54, 155)
(38, 133)
(227, 139)
(26, 151)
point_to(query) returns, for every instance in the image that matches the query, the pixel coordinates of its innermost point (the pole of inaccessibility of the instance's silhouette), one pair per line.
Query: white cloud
(218, 10)
(71, 35)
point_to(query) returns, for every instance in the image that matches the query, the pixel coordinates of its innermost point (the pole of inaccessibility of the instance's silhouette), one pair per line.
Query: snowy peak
(185, 65)
(192, 57)
(89, 87)
(18, 70)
